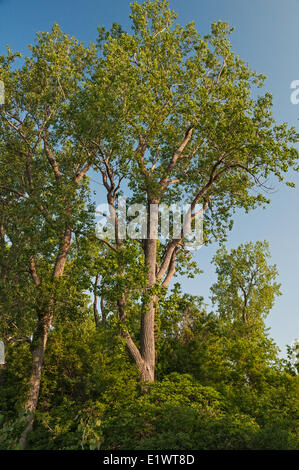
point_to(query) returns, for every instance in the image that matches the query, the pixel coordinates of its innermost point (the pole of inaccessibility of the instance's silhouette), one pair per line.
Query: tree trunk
(147, 343)
(38, 353)
(41, 336)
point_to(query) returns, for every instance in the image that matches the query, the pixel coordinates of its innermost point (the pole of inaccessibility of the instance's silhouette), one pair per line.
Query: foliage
(170, 116)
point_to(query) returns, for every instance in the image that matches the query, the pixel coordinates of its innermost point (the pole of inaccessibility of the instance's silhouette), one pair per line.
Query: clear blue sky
(267, 36)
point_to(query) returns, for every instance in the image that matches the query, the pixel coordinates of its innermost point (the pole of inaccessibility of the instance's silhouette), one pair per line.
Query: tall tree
(174, 117)
(42, 186)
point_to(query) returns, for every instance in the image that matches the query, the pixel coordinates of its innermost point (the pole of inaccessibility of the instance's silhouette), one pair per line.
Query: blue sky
(267, 36)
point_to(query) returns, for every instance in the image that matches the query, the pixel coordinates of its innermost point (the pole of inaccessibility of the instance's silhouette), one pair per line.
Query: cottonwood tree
(174, 117)
(246, 285)
(243, 296)
(42, 187)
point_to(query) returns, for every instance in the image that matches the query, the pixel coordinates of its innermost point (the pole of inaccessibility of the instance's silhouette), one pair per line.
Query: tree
(173, 116)
(244, 294)
(42, 186)
(246, 287)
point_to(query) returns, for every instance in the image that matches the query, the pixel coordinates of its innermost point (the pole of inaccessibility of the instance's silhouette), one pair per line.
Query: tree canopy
(104, 349)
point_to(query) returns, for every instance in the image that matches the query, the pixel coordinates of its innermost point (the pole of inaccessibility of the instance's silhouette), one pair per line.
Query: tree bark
(41, 336)
(147, 340)
(38, 353)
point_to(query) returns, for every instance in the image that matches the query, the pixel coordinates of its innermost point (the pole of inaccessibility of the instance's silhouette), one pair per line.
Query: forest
(104, 348)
